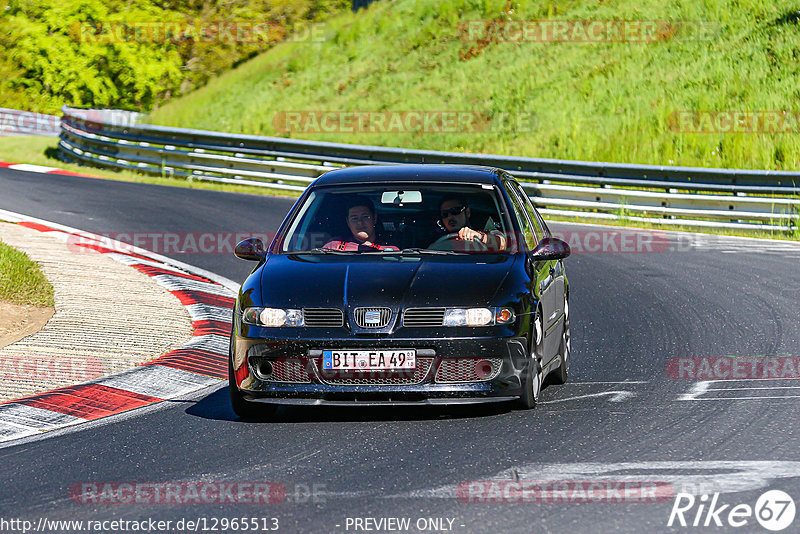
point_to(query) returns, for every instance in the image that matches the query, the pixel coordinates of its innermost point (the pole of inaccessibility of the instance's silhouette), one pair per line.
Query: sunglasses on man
(458, 210)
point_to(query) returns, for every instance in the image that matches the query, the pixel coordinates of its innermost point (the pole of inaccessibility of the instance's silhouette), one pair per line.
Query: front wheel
(560, 376)
(532, 375)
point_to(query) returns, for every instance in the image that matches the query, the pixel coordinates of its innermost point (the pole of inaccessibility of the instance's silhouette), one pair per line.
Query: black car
(407, 284)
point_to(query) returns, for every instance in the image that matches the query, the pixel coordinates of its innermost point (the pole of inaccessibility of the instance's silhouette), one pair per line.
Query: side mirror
(251, 248)
(550, 248)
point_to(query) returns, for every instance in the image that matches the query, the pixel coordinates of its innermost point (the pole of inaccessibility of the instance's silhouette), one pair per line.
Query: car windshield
(400, 219)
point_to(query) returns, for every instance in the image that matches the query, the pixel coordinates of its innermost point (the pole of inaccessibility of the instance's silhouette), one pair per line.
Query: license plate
(369, 360)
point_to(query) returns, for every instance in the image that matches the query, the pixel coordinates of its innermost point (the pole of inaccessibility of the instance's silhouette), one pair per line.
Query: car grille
(376, 378)
(423, 317)
(323, 317)
(468, 369)
(297, 370)
(372, 317)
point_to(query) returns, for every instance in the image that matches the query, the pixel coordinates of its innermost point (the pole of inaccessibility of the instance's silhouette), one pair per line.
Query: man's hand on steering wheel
(468, 234)
(455, 242)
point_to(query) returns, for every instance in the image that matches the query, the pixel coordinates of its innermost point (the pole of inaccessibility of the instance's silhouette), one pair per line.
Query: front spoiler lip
(497, 390)
(353, 403)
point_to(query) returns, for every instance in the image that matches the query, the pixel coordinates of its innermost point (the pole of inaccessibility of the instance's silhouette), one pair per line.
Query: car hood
(305, 280)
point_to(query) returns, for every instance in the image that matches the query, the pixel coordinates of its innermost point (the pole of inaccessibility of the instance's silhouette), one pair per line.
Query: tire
(532, 376)
(242, 408)
(560, 375)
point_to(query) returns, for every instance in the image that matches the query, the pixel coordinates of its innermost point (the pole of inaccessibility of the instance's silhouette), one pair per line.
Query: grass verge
(21, 280)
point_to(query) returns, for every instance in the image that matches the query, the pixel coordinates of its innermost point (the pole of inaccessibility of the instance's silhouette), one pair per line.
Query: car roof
(472, 174)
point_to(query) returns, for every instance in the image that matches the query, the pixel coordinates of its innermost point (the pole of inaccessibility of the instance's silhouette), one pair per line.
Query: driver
(454, 218)
(361, 220)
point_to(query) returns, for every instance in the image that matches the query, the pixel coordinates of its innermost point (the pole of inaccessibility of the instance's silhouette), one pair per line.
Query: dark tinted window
(407, 215)
(522, 216)
(538, 224)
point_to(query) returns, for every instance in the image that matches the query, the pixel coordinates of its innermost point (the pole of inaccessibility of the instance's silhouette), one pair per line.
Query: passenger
(454, 219)
(361, 220)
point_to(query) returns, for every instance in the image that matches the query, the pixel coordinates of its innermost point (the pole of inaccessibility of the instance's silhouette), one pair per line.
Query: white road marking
(616, 396)
(18, 421)
(730, 476)
(749, 398)
(625, 382)
(693, 477)
(32, 168)
(698, 389)
(741, 389)
(9, 431)
(750, 380)
(30, 416)
(703, 387)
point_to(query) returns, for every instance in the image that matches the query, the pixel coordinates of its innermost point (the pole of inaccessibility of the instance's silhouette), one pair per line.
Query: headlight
(478, 316)
(272, 317)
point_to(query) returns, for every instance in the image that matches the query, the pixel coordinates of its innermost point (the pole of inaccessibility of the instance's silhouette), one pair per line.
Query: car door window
(546, 228)
(538, 224)
(542, 224)
(522, 216)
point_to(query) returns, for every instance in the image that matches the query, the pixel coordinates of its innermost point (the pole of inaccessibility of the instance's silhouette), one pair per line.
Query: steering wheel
(448, 242)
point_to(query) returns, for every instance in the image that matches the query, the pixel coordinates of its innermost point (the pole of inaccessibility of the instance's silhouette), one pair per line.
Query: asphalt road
(621, 418)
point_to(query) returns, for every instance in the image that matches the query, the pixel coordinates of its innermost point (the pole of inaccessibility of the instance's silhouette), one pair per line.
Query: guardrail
(686, 196)
(16, 122)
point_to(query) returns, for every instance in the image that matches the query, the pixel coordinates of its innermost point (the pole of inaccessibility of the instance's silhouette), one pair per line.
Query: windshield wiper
(417, 250)
(319, 250)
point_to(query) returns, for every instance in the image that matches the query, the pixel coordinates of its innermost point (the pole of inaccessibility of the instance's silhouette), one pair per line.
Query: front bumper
(310, 385)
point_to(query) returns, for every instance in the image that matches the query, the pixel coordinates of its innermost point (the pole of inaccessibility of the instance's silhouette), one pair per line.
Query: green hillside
(134, 54)
(611, 101)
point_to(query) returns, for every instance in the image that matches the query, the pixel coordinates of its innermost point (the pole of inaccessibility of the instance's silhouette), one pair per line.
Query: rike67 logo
(774, 510)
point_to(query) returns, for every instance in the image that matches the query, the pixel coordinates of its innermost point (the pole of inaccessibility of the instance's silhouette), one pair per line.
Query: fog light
(262, 368)
(483, 368)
